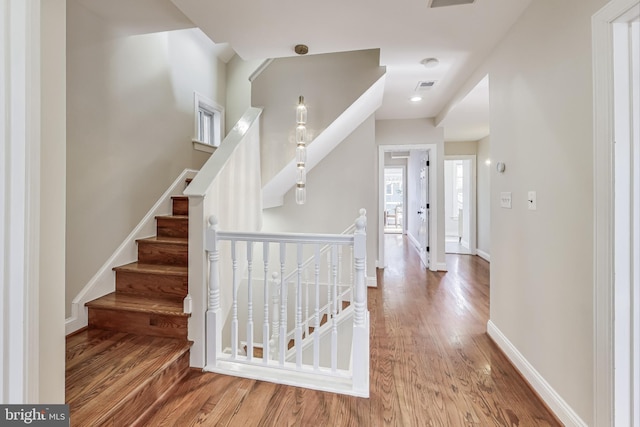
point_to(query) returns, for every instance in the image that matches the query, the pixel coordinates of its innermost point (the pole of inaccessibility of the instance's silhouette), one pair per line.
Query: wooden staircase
(135, 347)
(258, 351)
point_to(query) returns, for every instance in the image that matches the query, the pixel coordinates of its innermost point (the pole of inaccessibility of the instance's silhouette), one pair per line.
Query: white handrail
(237, 202)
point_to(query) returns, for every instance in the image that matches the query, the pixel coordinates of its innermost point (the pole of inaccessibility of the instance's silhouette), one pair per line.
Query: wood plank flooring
(113, 377)
(432, 364)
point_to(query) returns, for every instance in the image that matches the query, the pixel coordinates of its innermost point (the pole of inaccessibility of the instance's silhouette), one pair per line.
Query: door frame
(473, 208)
(436, 176)
(604, 209)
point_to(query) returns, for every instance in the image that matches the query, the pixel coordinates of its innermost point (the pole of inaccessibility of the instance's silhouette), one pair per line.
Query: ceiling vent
(443, 3)
(424, 85)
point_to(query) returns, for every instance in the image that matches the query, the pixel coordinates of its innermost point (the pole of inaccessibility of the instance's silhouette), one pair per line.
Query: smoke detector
(430, 62)
(443, 3)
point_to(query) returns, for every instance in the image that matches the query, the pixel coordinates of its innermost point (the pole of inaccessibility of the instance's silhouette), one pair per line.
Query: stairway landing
(114, 378)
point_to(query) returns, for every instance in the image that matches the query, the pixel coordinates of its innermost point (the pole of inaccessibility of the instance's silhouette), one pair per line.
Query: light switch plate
(505, 200)
(532, 201)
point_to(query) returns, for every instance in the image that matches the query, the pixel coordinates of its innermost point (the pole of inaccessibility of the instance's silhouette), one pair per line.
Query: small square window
(209, 121)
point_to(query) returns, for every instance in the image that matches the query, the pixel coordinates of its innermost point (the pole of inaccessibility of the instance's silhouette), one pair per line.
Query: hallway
(432, 364)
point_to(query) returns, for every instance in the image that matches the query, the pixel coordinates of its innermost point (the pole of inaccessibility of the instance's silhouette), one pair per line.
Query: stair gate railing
(280, 323)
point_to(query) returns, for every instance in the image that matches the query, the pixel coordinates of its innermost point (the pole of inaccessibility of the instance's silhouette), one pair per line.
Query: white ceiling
(405, 31)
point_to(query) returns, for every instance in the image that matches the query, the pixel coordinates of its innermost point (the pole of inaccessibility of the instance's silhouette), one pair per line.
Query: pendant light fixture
(301, 152)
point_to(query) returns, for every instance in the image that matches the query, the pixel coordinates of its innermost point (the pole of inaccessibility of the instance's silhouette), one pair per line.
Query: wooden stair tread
(258, 352)
(176, 217)
(170, 240)
(179, 198)
(136, 267)
(139, 304)
(107, 370)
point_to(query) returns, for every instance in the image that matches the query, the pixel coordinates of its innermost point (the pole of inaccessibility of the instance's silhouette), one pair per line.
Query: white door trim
(436, 230)
(19, 199)
(603, 127)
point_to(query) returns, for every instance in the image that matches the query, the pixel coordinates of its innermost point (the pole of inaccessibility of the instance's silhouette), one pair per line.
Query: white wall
(388, 161)
(330, 83)
(460, 148)
(238, 89)
(541, 127)
(483, 171)
(52, 351)
(341, 184)
(129, 127)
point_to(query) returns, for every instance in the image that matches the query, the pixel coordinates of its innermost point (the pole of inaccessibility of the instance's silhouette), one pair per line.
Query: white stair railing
(311, 267)
(324, 362)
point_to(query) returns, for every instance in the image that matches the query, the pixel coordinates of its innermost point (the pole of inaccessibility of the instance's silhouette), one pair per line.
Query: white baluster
(328, 305)
(234, 306)
(213, 318)
(360, 354)
(283, 306)
(265, 323)
(334, 328)
(339, 279)
(305, 325)
(275, 318)
(249, 301)
(298, 338)
(316, 332)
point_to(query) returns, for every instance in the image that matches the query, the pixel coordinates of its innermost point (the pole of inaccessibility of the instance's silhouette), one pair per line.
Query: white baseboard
(441, 266)
(553, 400)
(413, 241)
(372, 282)
(482, 254)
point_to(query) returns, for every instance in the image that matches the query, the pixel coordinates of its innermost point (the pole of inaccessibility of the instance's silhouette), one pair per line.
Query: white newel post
(360, 352)
(213, 318)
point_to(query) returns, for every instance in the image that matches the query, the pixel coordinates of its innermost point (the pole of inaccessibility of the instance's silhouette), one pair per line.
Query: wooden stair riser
(152, 285)
(172, 226)
(180, 205)
(140, 323)
(157, 252)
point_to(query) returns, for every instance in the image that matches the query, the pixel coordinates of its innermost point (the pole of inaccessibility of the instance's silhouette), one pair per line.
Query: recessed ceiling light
(415, 98)
(430, 62)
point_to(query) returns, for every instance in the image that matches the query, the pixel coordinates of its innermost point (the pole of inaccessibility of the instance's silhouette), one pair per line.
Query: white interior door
(423, 209)
(460, 204)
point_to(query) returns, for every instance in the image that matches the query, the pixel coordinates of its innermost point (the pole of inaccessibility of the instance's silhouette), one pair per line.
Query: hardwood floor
(432, 364)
